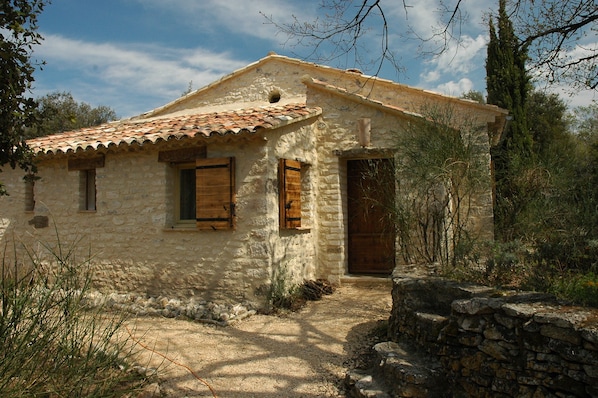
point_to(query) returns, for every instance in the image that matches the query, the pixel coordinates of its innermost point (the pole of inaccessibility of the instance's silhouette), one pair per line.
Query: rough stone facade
(137, 248)
(131, 235)
(487, 343)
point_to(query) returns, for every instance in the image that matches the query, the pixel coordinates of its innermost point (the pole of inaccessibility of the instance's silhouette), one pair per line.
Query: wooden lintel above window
(85, 163)
(182, 155)
(364, 153)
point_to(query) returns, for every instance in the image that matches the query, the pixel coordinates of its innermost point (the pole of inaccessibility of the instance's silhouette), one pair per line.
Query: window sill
(87, 211)
(181, 228)
(297, 229)
(302, 229)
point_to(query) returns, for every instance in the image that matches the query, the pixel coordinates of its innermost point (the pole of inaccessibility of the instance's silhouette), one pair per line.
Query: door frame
(375, 259)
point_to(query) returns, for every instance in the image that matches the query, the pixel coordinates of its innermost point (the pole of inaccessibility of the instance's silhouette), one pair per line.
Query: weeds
(284, 294)
(579, 288)
(52, 344)
(515, 265)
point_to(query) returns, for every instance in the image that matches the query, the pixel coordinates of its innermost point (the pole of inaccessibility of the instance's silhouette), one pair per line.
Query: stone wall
(134, 243)
(494, 343)
(257, 81)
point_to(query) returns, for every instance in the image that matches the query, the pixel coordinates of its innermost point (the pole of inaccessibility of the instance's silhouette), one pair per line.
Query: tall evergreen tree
(508, 82)
(508, 85)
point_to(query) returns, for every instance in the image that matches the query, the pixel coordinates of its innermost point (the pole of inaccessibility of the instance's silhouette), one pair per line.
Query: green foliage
(550, 269)
(18, 36)
(548, 123)
(507, 80)
(552, 208)
(440, 170)
(585, 122)
(557, 195)
(508, 86)
(284, 293)
(473, 95)
(494, 264)
(52, 344)
(59, 112)
(581, 289)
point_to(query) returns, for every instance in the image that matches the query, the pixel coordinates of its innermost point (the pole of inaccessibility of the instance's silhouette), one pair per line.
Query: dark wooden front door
(370, 188)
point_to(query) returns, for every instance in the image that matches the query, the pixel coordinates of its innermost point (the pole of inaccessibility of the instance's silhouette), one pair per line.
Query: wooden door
(370, 188)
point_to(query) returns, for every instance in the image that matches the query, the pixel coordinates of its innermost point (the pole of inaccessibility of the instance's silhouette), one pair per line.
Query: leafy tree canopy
(548, 121)
(18, 36)
(59, 112)
(585, 121)
(474, 95)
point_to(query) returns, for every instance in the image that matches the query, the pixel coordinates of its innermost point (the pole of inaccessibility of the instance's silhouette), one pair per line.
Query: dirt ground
(300, 354)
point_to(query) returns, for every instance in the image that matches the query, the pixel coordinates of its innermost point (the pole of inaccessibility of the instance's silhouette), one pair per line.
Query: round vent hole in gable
(274, 96)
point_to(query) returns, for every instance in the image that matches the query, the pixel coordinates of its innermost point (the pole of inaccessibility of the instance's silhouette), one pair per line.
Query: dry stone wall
(492, 343)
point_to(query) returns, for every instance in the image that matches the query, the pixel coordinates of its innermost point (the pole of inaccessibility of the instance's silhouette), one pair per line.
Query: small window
(29, 192)
(86, 166)
(87, 190)
(289, 178)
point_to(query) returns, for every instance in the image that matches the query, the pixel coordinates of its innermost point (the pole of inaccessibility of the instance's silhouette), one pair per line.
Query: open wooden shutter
(215, 193)
(289, 179)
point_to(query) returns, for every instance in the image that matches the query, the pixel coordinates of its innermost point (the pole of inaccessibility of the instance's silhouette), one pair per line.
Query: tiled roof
(189, 125)
(361, 98)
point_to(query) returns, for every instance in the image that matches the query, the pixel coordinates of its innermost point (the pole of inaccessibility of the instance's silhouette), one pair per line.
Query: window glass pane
(90, 190)
(29, 194)
(187, 192)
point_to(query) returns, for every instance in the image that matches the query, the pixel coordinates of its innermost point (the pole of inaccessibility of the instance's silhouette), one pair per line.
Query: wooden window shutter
(289, 179)
(215, 193)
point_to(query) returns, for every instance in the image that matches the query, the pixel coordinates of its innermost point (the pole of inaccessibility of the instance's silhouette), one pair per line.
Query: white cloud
(571, 93)
(134, 70)
(425, 18)
(462, 55)
(430, 76)
(461, 58)
(456, 88)
(237, 16)
(574, 98)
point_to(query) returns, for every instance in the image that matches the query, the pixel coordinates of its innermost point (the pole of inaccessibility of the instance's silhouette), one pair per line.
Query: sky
(137, 55)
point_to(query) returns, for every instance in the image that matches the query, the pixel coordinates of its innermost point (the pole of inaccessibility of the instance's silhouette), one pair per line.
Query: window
(205, 193)
(87, 189)
(290, 207)
(87, 179)
(29, 192)
(186, 193)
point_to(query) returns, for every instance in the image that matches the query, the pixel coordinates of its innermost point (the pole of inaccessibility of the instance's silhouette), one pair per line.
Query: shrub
(493, 264)
(283, 292)
(52, 344)
(581, 289)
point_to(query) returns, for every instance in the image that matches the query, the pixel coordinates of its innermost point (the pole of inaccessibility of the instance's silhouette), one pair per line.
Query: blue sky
(136, 55)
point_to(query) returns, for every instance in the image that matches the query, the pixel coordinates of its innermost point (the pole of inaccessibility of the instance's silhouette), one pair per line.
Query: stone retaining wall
(498, 344)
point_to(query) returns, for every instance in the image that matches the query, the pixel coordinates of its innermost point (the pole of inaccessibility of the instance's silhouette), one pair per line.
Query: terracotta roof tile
(142, 131)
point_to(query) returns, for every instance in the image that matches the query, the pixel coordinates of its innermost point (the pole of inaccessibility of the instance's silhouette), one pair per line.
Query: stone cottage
(228, 188)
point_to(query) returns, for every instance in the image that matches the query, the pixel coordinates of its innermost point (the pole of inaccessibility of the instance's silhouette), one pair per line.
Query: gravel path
(300, 354)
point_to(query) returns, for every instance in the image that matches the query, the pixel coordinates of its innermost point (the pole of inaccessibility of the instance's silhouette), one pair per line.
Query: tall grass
(52, 343)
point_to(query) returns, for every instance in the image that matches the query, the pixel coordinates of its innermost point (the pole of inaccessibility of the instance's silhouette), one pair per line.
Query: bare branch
(551, 30)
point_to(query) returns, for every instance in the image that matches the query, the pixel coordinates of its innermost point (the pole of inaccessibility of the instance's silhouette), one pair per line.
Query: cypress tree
(508, 85)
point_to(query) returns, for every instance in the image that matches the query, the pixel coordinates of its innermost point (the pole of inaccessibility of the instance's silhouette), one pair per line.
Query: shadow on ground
(302, 354)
